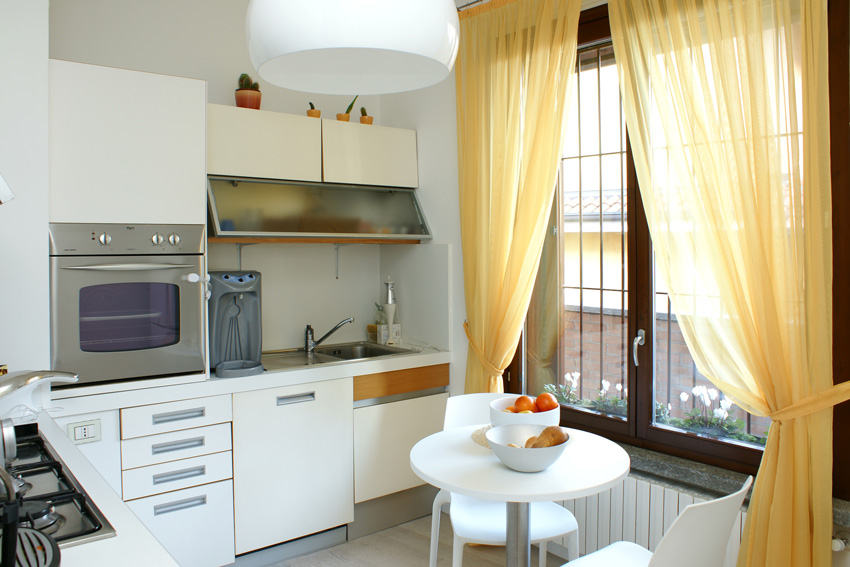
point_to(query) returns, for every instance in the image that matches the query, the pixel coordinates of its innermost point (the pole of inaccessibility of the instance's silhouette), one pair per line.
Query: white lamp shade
(346, 47)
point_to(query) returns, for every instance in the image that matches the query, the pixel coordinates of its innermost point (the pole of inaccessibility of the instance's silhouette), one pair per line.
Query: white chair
(484, 521)
(697, 538)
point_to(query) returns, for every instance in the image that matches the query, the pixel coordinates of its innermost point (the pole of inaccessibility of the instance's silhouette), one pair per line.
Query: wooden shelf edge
(300, 240)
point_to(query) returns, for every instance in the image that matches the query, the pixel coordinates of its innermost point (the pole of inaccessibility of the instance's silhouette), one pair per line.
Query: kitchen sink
(324, 354)
(293, 359)
(356, 351)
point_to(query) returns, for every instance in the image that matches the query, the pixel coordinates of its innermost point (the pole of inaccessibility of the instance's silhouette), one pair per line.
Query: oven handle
(128, 267)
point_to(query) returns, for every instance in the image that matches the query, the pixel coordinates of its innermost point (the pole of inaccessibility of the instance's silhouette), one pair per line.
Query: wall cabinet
(243, 142)
(293, 462)
(384, 434)
(368, 155)
(126, 146)
(272, 145)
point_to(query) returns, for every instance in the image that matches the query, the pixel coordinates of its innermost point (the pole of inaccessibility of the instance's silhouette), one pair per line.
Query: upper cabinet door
(268, 145)
(369, 155)
(126, 146)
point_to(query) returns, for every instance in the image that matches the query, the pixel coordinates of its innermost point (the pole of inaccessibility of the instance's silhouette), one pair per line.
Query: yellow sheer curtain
(727, 110)
(515, 60)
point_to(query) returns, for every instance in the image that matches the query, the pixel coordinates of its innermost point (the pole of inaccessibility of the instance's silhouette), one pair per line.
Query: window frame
(594, 28)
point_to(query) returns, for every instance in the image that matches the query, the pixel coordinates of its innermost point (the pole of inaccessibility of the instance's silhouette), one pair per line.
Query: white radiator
(637, 511)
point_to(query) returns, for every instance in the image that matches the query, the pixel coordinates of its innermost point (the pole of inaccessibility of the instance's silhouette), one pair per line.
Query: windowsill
(700, 480)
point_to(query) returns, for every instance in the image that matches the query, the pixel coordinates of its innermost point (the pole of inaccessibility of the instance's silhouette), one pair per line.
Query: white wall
(299, 287)
(24, 291)
(200, 39)
(432, 113)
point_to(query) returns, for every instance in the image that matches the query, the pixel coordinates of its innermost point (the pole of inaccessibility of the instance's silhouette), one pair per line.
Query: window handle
(639, 340)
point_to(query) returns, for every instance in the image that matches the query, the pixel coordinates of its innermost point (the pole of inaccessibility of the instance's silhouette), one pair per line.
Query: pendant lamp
(352, 46)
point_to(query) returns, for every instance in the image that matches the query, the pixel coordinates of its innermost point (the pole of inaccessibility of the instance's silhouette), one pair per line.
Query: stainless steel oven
(127, 301)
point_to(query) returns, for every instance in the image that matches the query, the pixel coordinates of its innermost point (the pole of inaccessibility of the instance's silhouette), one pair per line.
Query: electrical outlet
(84, 431)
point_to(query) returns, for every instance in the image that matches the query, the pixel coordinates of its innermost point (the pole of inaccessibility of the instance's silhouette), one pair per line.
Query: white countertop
(156, 390)
(133, 545)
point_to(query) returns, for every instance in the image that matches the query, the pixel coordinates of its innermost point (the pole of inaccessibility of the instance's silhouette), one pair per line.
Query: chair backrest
(469, 409)
(700, 535)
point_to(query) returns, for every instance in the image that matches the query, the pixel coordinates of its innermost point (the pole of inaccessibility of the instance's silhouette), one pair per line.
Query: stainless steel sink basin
(293, 358)
(356, 351)
(325, 354)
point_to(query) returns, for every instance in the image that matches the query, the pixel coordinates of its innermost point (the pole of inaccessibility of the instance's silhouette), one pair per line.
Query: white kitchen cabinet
(368, 155)
(384, 434)
(293, 462)
(173, 416)
(176, 475)
(126, 146)
(177, 471)
(195, 525)
(244, 142)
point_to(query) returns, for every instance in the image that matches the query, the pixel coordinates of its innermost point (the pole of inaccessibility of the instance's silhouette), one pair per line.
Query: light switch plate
(84, 431)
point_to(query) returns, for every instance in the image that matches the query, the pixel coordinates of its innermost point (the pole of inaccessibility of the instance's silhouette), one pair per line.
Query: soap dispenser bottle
(390, 309)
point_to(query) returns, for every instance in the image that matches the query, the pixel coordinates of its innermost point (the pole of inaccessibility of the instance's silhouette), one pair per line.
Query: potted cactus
(312, 112)
(345, 117)
(364, 117)
(248, 94)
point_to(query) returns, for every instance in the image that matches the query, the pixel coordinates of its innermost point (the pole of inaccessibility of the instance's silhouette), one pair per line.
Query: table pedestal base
(518, 546)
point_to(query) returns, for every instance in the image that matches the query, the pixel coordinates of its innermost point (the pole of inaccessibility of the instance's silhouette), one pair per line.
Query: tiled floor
(406, 545)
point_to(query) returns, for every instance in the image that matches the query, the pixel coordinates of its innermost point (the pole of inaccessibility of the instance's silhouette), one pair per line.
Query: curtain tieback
(488, 366)
(815, 403)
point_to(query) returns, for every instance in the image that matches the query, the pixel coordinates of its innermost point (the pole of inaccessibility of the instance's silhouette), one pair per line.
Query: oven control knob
(104, 239)
(174, 239)
(157, 239)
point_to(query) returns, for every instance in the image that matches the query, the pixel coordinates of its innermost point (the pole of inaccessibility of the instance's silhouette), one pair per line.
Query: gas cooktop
(51, 499)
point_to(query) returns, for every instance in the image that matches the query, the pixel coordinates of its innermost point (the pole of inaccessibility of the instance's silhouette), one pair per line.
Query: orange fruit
(510, 409)
(546, 402)
(524, 403)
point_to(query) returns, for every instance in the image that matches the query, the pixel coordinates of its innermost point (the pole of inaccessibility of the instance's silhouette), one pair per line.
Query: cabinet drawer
(175, 445)
(166, 477)
(174, 416)
(195, 525)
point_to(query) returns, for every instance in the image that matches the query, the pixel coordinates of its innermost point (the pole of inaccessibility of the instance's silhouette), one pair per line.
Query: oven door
(119, 317)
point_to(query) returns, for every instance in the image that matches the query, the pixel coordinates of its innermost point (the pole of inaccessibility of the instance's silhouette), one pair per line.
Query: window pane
(591, 359)
(685, 399)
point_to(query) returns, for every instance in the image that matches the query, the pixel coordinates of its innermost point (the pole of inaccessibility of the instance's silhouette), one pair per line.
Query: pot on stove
(22, 546)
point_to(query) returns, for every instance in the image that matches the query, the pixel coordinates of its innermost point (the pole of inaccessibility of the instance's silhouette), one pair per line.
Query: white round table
(451, 460)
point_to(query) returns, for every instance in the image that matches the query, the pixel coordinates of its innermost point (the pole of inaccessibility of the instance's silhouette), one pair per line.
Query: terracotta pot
(313, 113)
(366, 119)
(343, 117)
(248, 98)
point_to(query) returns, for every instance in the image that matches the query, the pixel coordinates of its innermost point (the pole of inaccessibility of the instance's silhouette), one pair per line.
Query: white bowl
(519, 458)
(498, 415)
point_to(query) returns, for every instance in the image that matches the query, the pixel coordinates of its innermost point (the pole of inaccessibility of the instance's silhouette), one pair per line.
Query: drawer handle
(181, 445)
(162, 478)
(296, 399)
(168, 417)
(178, 505)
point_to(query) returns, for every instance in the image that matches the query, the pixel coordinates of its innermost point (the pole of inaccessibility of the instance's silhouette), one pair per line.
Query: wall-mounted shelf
(303, 240)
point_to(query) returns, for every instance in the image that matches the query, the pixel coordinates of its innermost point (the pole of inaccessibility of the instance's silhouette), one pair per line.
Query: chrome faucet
(310, 344)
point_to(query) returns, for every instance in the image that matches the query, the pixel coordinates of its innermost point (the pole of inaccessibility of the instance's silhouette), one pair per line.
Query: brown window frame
(594, 27)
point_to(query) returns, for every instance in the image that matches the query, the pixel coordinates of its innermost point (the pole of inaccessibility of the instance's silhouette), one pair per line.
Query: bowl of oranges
(542, 410)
